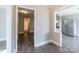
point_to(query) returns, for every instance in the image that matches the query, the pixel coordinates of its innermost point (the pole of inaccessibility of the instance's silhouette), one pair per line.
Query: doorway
(68, 23)
(25, 30)
(69, 30)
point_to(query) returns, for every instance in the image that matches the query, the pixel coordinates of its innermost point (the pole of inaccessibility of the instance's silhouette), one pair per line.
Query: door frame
(17, 24)
(59, 11)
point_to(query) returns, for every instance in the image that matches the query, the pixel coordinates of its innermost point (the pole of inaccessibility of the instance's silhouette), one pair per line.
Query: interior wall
(42, 25)
(2, 24)
(14, 33)
(56, 37)
(9, 36)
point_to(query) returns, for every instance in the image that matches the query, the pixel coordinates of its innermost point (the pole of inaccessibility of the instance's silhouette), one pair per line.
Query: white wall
(42, 25)
(56, 37)
(13, 30)
(2, 24)
(5, 24)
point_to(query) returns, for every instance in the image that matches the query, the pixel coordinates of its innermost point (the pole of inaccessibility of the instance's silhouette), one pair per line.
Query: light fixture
(24, 11)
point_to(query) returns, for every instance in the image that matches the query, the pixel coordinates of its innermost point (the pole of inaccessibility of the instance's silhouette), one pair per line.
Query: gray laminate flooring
(70, 45)
(3, 46)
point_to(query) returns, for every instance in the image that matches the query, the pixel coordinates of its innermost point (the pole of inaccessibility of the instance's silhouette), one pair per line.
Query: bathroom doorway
(25, 30)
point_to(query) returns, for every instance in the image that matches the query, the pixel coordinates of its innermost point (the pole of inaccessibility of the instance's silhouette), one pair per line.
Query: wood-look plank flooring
(25, 45)
(3, 46)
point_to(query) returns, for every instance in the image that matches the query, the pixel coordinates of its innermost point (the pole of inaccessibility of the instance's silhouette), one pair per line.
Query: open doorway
(25, 29)
(69, 24)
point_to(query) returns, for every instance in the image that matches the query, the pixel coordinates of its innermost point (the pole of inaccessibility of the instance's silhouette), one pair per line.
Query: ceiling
(71, 10)
(29, 13)
(55, 6)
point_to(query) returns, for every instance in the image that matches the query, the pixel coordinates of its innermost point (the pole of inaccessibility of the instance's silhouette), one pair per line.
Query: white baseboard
(54, 42)
(48, 41)
(2, 39)
(41, 43)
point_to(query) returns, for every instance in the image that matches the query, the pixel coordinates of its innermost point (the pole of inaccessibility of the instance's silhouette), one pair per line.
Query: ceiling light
(25, 12)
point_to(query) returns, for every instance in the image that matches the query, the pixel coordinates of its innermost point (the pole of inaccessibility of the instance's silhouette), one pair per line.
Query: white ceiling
(56, 6)
(70, 11)
(66, 11)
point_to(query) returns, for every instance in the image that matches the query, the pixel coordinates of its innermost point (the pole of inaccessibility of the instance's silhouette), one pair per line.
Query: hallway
(25, 42)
